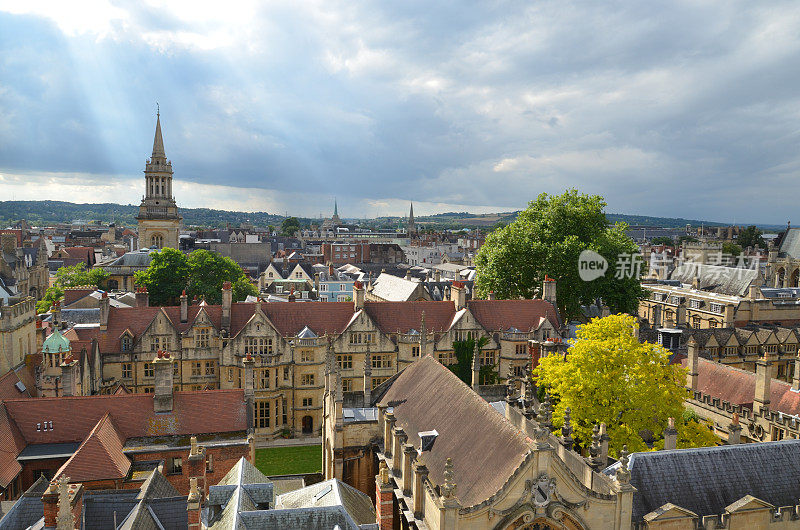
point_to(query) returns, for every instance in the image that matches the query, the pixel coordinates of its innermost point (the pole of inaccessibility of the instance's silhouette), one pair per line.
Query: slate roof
(391, 288)
(485, 448)
(716, 278)
(790, 243)
(28, 509)
(78, 316)
(739, 386)
(708, 479)
(330, 493)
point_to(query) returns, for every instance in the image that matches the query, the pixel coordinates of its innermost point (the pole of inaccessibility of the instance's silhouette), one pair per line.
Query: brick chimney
(670, 435)
(693, 365)
(549, 290)
(384, 501)
(142, 297)
(105, 309)
(196, 464)
(359, 293)
(69, 376)
(227, 300)
(763, 381)
(184, 307)
(458, 295)
(162, 398)
(193, 505)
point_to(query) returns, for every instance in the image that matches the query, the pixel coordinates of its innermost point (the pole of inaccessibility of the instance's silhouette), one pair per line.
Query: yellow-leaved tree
(609, 376)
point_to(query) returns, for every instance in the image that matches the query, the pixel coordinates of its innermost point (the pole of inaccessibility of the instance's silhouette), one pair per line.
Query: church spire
(158, 142)
(335, 208)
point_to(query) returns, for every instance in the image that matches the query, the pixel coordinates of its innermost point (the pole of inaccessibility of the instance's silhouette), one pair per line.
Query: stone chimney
(408, 274)
(105, 309)
(330, 270)
(670, 435)
(359, 293)
(763, 381)
(693, 365)
(62, 504)
(142, 297)
(69, 376)
(249, 390)
(437, 275)
(227, 300)
(184, 307)
(735, 430)
(796, 376)
(193, 505)
(549, 290)
(458, 295)
(384, 502)
(316, 282)
(162, 397)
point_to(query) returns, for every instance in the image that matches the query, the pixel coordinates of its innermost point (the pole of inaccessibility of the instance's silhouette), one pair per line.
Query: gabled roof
(485, 448)
(709, 479)
(99, 456)
(497, 315)
(11, 444)
(330, 493)
(394, 289)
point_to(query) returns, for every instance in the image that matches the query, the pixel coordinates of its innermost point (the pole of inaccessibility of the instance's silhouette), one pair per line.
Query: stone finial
(548, 412)
(566, 430)
(449, 487)
(194, 493)
(594, 450)
(623, 474)
(65, 520)
(383, 473)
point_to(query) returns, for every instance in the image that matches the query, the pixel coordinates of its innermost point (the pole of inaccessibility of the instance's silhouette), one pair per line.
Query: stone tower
(159, 222)
(412, 227)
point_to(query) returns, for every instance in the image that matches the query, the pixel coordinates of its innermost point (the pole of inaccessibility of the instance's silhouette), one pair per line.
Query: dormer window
(127, 343)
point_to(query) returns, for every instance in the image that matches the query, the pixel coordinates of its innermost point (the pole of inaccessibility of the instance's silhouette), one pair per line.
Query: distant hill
(52, 212)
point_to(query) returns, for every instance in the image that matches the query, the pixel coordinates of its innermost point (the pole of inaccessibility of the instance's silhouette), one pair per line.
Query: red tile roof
(11, 444)
(99, 456)
(739, 387)
(321, 317)
(525, 315)
(22, 373)
(202, 412)
(392, 317)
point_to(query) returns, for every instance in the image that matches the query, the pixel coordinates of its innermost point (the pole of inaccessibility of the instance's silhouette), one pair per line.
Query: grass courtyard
(289, 460)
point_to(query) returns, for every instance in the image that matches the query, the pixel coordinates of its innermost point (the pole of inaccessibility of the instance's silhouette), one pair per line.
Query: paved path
(289, 442)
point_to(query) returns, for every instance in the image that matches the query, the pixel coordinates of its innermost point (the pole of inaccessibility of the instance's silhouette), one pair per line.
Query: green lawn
(289, 460)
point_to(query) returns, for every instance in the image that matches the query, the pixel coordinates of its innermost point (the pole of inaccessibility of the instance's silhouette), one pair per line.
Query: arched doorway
(308, 425)
(795, 281)
(780, 274)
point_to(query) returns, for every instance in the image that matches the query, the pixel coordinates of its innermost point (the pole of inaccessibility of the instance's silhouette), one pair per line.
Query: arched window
(157, 240)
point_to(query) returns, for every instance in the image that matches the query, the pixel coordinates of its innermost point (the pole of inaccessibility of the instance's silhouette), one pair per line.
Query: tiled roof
(391, 288)
(498, 315)
(708, 479)
(391, 317)
(201, 412)
(738, 387)
(99, 456)
(9, 383)
(485, 448)
(330, 493)
(11, 444)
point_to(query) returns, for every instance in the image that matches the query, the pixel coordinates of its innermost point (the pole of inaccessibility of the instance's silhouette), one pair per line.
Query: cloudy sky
(672, 108)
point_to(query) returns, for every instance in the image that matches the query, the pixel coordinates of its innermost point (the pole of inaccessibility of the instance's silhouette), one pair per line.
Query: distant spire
(158, 142)
(335, 208)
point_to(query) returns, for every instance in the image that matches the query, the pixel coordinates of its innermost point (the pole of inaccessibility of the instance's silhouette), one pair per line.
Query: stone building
(290, 344)
(23, 269)
(159, 222)
(17, 331)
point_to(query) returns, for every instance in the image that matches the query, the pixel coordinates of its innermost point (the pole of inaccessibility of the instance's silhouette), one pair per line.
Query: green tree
(289, 226)
(201, 274)
(687, 239)
(662, 240)
(609, 376)
(73, 276)
(464, 350)
(166, 276)
(731, 249)
(546, 239)
(751, 237)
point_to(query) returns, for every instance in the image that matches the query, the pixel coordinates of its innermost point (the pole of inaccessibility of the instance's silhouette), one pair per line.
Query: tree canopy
(663, 240)
(289, 226)
(73, 276)
(609, 377)
(751, 237)
(547, 239)
(201, 274)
